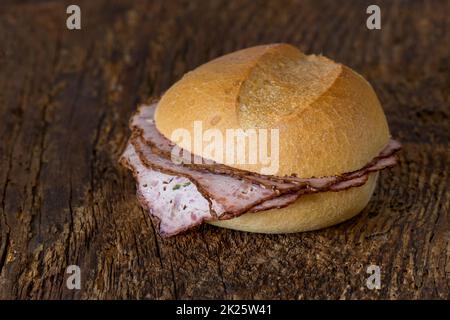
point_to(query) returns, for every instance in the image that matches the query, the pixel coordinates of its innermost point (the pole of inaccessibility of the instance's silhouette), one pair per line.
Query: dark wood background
(65, 100)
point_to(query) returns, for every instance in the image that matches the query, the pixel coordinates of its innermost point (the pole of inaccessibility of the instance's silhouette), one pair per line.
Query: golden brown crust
(329, 118)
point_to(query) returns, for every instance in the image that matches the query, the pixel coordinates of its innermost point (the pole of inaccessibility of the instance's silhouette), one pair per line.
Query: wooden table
(65, 100)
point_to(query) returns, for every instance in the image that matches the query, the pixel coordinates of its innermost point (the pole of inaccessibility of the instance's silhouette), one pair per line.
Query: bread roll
(328, 117)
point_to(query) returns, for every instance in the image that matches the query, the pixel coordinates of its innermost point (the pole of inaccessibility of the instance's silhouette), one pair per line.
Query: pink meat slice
(179, 205)
(231, 196)
(174, 200)
(143, 124)
(276, 203)
(346, 184)
(355, 179)
(183, 196)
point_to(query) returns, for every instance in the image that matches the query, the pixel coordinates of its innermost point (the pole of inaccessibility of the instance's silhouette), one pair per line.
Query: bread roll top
(327, 117)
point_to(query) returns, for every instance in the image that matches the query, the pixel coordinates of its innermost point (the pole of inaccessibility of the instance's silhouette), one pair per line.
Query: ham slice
(184, 195)
(277, 203)
(174, 200)
(232, 195)
(142, 123)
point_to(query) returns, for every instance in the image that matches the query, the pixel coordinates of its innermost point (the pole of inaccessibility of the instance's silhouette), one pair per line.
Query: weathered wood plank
(65, 100)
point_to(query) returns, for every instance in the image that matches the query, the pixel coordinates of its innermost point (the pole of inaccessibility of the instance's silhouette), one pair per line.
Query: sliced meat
(392, 147)
(346, 184)
(232, 195)
(276, 203)
(179, 204)
(377, 164)
(289, 198)
(143, 124)
(184, 195)
(174, 200)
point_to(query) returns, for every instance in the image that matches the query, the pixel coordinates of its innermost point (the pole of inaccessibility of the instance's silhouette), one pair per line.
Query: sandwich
(264, 139)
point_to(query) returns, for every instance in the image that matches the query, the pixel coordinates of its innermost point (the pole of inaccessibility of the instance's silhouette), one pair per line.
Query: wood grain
(65, 100)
